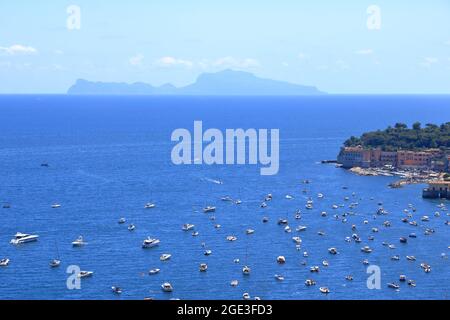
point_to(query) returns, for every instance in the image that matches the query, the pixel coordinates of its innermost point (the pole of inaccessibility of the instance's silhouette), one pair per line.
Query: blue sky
(323, 43)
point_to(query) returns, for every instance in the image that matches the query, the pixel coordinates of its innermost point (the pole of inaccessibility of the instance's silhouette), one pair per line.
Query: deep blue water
(108, 156)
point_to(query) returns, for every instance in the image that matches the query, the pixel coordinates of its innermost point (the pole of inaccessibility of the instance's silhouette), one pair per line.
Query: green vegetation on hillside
(402, 137)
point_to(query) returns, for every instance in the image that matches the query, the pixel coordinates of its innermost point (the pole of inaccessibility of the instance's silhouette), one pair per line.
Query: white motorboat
(116, 290)
(187, 227)
(279, 277)
(203, 267)
(314, 269)
(56, 206)
(209, 209)
(238, 201)
(281, 259)
(150, 243)
(79, 242)
(310, 282)
(366, 249)
(263, 205)
(154, 271)
(122, 221)
(55, 263)
(246, 296)
(207, 252)
(320, 195)
(289, 197)
(149, 205)
(165, 256)
(324, 290)
(411, 258)
(301, 228)
(325, 263)
(234, 283)
(131, 227)
(246, 270)
(4, 262)
(297, 240)
(20, 238)
(332, 251)
(393, 286)
(85, 274)
(227, 198)
(231, 238)
(249, 231)
(166, 287)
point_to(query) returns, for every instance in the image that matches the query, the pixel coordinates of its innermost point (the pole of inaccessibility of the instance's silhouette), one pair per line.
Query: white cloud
(429, 61)
(136, 60)
(364, 51)
(173, 62)
(302, 56)
(231, 62)
(18, 49)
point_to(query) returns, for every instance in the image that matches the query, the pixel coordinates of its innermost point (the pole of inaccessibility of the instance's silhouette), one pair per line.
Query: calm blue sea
(108, 156)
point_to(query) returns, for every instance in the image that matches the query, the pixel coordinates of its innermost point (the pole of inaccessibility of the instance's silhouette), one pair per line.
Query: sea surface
(109, 156)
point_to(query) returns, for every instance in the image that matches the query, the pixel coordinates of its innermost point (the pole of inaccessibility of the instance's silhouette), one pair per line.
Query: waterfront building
(437, 190)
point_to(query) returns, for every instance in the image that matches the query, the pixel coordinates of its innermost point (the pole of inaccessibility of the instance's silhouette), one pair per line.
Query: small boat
(411, 258)
(425, 218)
(366, 249)
(165, 257)
(332, 251)
(297, 240)
(238, 202)
(323, 214)
(246, 270)
(150, 243)
(305, 254)
(116, 290)
(281, 259)
(289, 197)
(56, 206)
(85, 274)
(79, 242)
(310, 282)
(236, 261)
(55, 263)
(122, 221)
(20, 238)
(4, 262)
(349, 278)
(188, 227)
(207, 252)
(249, 231)
(269, 197)
(324, 290)
(403, 240)
(309, 206)
(282, 222)
(195, 233)
(226, 198)
(321, 233)
(402, 278)
(265, 220)
(287, 229)
(263, 205)
(203, 267)
(393, 286)
(231, 238)
(325, 263)
(426, 267)
(166, 287)
(395, 258)
(320, 195)
(209, 209)
(6, 206)
(314, 269)
(411, 283)
(131, 227)
(412, 235)
(365, 262)
(154, 271)
(246, 296)
(301, 228)
(334, 206)
(149, 205)
(234, 283)
(279, 277)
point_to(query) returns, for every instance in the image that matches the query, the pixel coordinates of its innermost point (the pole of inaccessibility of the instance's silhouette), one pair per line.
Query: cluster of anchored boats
(353, 237)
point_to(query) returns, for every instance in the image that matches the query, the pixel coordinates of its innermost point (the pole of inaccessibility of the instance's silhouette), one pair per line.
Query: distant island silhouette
(227, 82)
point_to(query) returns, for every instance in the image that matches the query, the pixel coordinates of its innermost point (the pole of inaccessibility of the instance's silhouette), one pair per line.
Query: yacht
(116, 290)
(246, 270)
(279, 277)
(332, 250)
(231, 238)
(165, 257)
(150, 243)
(287, 229)
(209, 209)
(149, 205)
(425, 218)
(310, 282)
(411, 258)
(282, 222)
(187, 227)
(79, 242)
(131, 227)
(249, 231)
(195, 233)
(154, 271)
(402, 278)
(324, 290)
(297, 240)
(166, 287)
(203, 267)
(281, 259)
(55, 263)
(4, 262)
(56, 206)
(85, 274)
(426, 267)
(226, 198)
(289, 197)
(314, 269)
(366, 249)
(20, 238)
(301, 228)
(234, 283)
(122, 221)
(395, 258)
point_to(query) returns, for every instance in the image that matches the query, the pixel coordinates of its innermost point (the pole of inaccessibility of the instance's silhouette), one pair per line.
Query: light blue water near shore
(108, 156)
